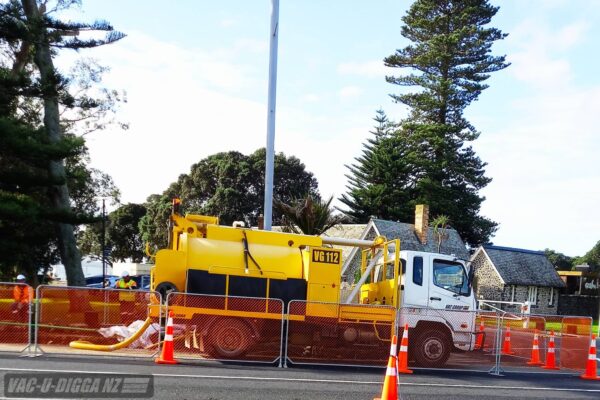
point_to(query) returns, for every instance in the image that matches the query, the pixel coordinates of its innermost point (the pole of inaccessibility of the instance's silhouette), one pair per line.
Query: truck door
(415, 289)
(448, 285)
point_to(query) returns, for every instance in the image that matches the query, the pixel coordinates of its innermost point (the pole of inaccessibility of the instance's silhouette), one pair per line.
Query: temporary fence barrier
(213, 327)
(575, 336)
(339, 334)
(15, 316)
(102, 317)
(451, 339)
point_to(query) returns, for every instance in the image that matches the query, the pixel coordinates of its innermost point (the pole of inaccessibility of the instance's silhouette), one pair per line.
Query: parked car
(96, 281)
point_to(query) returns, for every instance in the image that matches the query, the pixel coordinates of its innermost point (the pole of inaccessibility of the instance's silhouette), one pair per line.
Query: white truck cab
(436, 301)
(438, 304)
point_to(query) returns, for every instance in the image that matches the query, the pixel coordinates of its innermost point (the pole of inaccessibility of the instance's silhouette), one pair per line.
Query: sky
(196, 78)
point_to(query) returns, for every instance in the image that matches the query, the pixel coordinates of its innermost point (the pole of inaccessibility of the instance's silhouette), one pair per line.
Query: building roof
(452, 244)
(523, 267)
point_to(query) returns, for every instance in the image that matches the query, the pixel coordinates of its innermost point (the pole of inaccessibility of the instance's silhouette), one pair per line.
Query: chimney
(261, 222)
(422, 222)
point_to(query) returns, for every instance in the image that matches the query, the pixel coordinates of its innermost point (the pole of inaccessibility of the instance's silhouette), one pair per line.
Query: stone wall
(572, 304)
(486, 282)
(542, 305)
(488, 286)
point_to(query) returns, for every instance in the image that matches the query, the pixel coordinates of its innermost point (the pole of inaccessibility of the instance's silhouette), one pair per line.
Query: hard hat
(20, 277)
(124, 274)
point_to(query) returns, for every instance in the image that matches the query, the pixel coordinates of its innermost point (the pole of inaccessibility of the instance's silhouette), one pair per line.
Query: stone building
(416, 237)
(516, 275)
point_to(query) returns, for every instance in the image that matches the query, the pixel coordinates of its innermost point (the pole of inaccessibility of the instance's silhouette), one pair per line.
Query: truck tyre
(230, 338)
(432, 349)
(164, 288)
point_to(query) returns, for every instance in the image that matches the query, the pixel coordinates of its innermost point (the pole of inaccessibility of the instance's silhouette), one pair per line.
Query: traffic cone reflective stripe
(590, 366)
(506, 349)
(535, 351)
(403, 355)
(167, 353)
(550, 356)
(390, 383)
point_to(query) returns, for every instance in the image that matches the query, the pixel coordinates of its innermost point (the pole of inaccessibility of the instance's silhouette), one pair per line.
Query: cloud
(369, 69)
(349, 92)
(311, 98)
(542, 57)
(227, 22)
(546, 183)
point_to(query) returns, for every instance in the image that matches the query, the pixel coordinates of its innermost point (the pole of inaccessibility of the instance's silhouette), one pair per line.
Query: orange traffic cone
(390, 383)
(166, 356)
(506, 349)
(403, 355)
(479, 342)
(550, 357)
(535, 351)
(590, 366)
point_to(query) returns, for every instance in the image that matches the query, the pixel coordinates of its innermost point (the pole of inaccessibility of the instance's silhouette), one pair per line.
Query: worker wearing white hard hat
(21, 295)
(126, 300)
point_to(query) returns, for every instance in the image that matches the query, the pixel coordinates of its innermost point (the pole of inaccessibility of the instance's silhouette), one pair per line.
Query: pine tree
(42, 159)
(370, 181)
(427, 159)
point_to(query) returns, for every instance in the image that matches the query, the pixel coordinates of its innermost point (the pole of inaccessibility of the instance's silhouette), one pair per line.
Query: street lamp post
(103, 242)
(270, 150)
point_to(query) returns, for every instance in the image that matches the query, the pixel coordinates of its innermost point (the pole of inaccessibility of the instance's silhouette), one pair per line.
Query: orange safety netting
(15, 302)
(339, 334)
(211, 327)
(98, 316)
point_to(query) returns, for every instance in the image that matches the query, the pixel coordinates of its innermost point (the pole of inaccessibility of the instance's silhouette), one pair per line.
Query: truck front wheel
(432, 349)
(230, 338)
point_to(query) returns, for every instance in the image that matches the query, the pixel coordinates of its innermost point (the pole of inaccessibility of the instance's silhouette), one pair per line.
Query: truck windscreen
(451, 276)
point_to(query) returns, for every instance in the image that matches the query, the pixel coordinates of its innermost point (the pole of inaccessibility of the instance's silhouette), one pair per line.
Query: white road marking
(282, 379)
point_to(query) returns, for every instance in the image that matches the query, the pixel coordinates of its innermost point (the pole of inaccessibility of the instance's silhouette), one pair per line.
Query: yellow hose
(83, 345)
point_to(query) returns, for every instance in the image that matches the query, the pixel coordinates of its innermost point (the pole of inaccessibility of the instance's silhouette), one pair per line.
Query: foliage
(228, 185)
(47, 186)
(440, 224)
(560, 261)
(154, 226)
(309, 215)
(426, 159)
(592, 257)
(122, 237)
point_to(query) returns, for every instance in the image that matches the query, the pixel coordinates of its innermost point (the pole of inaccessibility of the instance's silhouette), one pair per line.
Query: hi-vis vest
(125, 296)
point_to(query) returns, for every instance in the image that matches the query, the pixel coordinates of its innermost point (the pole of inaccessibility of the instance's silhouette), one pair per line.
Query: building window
(512, 292)
(532, 295)
(418, 271)
(551, 301)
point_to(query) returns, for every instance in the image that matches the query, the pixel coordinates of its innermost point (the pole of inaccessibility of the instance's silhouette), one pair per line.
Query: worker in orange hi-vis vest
(21, 295)
(126, 300)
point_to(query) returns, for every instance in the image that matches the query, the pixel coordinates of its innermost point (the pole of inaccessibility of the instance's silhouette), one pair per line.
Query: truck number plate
(326, 256)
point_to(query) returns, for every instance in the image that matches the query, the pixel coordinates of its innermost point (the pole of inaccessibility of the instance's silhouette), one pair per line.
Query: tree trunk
(59, 194)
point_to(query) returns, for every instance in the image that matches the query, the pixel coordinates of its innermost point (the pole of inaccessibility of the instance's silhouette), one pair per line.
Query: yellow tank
(213, 259)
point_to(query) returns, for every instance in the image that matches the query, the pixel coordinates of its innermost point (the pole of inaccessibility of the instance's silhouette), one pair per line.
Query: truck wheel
(164, 288)
(230, 338)
(432, 349)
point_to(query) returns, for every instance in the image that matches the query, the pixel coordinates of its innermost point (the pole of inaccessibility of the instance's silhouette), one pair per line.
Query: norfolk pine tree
(448, 59)
(42, 35)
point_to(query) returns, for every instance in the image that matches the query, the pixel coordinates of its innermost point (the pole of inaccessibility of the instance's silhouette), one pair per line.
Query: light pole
(270, 150)
(103, 236)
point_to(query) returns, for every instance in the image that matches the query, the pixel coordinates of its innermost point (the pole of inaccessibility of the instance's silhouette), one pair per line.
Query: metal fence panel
(234, 328)
(575, 335)
(451, 339)
(99, 316)
(339, 334)
(15, 316)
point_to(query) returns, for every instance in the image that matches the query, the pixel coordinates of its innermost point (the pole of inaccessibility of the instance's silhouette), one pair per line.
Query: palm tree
(440, 225)
(309, 215)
